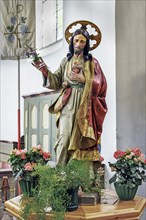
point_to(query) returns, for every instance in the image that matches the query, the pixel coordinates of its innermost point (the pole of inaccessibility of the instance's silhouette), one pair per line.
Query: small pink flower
(39, 147)
(34, 148)
(101, 159)
(18, 152)
(23, 156)
(46, 155)
(141, 158)
(28, 166)
(128, 156)
(136, 151)
(23, 151)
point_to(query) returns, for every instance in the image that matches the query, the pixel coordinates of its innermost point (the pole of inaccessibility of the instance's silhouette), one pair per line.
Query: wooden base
(123, 210)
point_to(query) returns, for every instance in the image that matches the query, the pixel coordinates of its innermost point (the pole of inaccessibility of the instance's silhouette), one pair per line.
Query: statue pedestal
(113, 209)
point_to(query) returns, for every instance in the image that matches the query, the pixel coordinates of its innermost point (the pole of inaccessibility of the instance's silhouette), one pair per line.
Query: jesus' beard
(78, 51)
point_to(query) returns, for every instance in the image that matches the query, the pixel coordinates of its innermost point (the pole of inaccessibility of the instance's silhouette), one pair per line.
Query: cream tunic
(68, 117)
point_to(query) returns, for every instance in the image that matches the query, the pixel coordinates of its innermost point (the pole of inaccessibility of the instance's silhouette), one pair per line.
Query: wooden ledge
(123, 210)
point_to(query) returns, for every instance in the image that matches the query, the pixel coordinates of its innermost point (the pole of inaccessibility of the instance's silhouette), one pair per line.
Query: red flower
(136, 151)
(119, 154)
(25, 161)
(37, 148)
(129, 168)
(23, 156)
(101, 159)
(46, 155)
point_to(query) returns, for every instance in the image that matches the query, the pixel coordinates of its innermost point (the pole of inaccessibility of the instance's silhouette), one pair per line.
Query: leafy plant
(77, 174)
(54, 186)
(129, 168)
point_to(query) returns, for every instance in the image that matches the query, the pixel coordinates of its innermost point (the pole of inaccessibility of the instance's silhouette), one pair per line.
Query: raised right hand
(40, 65)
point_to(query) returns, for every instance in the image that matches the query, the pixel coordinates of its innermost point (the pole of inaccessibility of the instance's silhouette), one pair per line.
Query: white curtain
(17, 26)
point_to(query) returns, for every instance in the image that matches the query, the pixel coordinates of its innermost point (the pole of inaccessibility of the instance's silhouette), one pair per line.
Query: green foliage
(53, 188)
(77, 174)
(95, 185)
(129, 168)
(29, 206)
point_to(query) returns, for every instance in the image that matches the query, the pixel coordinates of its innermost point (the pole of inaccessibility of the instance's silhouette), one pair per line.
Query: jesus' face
(79, 43)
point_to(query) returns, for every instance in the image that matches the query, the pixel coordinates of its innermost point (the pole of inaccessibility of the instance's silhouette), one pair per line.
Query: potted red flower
(23, 164)
(129, 171)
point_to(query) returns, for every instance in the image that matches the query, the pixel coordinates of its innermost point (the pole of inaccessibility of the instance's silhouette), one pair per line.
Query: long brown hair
(87, 55)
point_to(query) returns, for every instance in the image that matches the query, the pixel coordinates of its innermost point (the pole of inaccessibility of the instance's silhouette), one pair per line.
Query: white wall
(99, 12)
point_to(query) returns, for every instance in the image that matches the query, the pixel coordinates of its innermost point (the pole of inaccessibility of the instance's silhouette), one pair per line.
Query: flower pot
(73, 199)
(28, 186)
(124, 192)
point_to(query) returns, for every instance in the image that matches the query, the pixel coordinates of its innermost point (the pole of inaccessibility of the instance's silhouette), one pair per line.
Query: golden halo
(93, 30)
